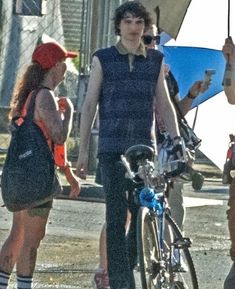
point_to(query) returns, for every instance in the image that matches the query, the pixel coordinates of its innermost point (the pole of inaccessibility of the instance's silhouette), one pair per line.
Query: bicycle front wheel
(178, 260)
(148, 248)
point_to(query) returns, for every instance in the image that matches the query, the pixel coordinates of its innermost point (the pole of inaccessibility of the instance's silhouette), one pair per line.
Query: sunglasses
(147, 39)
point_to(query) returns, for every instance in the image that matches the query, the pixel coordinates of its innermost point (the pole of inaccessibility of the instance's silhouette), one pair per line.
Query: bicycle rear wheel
(148, 248)
(178, 260)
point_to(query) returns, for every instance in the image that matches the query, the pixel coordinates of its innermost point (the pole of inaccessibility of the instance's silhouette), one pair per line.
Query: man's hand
(73, 181)
(75, 188)
(198, 87)
(82, 166)
(64, 104)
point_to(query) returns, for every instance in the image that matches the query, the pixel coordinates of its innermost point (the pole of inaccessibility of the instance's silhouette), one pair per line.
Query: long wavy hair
(31, 80)
(136, 9)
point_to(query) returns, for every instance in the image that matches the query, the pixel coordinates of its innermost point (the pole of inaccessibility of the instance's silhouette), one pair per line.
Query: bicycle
(162, 250)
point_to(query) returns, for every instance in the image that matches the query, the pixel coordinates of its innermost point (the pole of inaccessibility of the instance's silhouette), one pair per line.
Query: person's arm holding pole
(229, 75)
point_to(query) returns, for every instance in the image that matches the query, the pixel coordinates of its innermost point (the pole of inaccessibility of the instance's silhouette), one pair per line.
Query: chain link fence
(23, 25)
(80, 25)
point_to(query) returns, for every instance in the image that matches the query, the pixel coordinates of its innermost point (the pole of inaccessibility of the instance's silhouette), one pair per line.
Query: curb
(90, 192)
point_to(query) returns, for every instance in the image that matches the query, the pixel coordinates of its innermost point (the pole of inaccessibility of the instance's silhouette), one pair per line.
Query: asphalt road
(68, 255)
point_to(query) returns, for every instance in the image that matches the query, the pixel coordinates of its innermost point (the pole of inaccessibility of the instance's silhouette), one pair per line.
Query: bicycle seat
(138, 153)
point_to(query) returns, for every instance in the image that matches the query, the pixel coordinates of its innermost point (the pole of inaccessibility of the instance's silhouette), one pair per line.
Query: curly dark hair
(136, 9)
(31, 80)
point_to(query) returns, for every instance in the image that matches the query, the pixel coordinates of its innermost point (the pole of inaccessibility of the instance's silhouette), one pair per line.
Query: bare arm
(89, 110)
(185, 105)
(47, 110)
(165, 106)
(229, 78)
(197, 88)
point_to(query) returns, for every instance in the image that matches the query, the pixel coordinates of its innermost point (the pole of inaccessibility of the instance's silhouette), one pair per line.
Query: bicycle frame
(146, 173)
(153, 197)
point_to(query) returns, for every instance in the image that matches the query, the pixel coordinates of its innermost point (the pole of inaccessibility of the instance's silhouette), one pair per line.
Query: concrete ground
(68, 255)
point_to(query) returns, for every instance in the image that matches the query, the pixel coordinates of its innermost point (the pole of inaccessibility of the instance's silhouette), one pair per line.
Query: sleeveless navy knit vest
(126, 99)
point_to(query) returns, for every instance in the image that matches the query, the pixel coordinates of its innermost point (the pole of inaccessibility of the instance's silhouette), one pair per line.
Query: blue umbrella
(198, 30)
(188, 64)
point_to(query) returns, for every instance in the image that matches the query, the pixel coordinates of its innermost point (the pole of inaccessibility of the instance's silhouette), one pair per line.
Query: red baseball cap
(48, 54)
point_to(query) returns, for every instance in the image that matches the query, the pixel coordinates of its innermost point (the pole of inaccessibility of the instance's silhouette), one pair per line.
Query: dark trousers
(121, 248)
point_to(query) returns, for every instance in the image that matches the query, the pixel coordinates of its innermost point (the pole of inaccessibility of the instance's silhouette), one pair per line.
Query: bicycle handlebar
(152, 169)
(131, 174)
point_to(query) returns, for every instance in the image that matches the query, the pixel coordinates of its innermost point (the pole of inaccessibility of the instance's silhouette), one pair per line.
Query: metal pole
(80, 75)
(87, 51)
(228, 18)
(195, 118)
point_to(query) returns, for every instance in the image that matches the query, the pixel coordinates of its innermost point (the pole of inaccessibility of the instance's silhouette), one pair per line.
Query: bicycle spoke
(148, 249)
(178, 260)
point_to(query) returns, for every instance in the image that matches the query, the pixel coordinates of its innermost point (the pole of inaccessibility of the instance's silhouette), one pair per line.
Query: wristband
(176, 140)
(189, 95)
(229, 75)
(177, 137)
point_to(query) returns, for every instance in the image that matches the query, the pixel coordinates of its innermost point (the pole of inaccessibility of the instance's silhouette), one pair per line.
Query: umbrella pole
(227, 80)
(157, 11)
(228, 18)
(195, 118)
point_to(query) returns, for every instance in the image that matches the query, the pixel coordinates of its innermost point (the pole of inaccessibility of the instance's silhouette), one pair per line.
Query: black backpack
(28, 174)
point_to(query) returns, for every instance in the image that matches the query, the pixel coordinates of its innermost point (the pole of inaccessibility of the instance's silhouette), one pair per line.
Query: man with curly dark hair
(126, 82)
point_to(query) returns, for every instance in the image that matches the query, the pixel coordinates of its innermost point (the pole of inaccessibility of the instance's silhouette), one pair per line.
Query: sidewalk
(68, 255)
(93, 192)
(207, 168)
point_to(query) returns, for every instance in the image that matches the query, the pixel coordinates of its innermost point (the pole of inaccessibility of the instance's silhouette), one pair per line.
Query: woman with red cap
(28, 228)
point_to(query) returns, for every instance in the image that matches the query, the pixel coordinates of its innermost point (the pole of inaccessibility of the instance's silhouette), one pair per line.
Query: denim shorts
(41, 210)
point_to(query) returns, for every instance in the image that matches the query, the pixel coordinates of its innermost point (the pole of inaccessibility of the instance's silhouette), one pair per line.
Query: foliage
(2, 159)
(76, 62)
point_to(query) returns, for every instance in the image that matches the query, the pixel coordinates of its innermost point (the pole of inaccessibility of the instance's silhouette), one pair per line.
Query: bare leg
(22, 243)
(103, 248)
(11, 248)
(34, 231)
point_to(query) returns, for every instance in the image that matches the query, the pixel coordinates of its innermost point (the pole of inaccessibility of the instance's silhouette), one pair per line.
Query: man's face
(131, 27)
(149, 37)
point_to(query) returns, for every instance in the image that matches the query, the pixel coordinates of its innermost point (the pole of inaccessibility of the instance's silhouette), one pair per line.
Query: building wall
(19, 36)
(72, 19)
